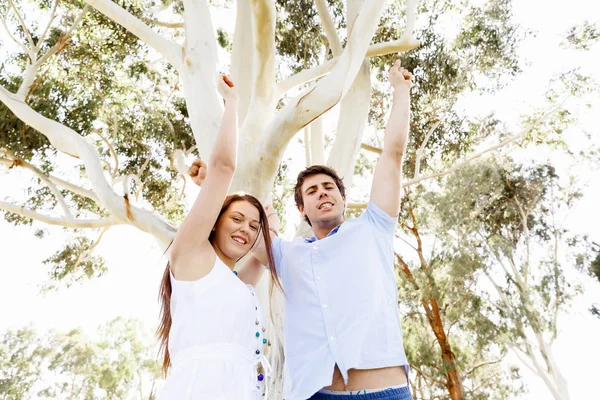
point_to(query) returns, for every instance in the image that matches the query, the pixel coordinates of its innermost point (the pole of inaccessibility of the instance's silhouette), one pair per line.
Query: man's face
(323, 202)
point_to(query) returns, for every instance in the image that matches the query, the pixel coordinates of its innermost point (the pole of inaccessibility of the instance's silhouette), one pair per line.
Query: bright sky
(135, 263)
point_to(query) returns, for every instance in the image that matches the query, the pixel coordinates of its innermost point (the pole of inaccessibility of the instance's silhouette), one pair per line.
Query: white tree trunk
(242, 57)
(199, 75)
(317, 142)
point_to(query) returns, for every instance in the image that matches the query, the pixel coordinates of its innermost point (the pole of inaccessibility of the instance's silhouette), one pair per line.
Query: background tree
(119, 364)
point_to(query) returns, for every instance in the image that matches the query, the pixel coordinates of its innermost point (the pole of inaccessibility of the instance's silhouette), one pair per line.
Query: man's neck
(321, 231)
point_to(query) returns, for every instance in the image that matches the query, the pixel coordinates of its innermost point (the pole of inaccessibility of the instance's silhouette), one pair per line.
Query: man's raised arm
(385, 190)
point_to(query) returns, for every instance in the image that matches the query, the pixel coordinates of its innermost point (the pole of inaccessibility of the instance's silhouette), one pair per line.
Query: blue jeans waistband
(402, 393)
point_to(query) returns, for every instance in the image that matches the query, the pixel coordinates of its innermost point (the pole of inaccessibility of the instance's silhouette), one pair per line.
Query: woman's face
(236, 231)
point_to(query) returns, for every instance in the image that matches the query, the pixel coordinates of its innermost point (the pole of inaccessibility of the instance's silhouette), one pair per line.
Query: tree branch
(422, 147)
(69, 142)
(199, 75)
(25, 29)
(170, 50)
(263, 18)
(483, 364)
(18, 43)
(112, 151)
(64, 39)
(317, 143)
(57, 194)
(45, 32)
(83, 255)
(370, 148)
(307, 147)
(262, 100)
(444, 384)
(9, 162)
(354, 111)
(242, 57)
(329, 28)
(67, 223)
(164, 24)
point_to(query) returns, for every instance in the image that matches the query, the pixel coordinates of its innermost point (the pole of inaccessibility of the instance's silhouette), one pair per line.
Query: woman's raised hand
(227, 89)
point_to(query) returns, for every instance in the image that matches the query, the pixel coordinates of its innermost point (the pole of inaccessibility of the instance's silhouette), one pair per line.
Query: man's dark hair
(315, 170)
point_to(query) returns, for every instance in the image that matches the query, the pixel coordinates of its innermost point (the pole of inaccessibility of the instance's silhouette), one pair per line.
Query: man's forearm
(396, 130)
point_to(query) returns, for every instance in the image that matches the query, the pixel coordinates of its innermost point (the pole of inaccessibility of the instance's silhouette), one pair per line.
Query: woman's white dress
(216, 340)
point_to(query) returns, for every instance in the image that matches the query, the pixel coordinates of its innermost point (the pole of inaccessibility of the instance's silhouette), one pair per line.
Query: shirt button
(332, 339)
(324, 305)
(318, 278)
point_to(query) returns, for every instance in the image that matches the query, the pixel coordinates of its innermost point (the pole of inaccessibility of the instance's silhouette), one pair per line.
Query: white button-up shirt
(341, 303)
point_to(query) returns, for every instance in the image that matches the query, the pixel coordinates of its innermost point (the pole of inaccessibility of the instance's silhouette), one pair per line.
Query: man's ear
(301, 209)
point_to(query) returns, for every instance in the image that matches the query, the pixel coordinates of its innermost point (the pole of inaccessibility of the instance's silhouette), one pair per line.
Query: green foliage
(74, 263)
(582, 37)
(497, 214)
(21, 360)
(120, 364)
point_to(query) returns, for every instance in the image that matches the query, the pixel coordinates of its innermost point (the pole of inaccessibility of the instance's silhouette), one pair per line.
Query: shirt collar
(333, 232)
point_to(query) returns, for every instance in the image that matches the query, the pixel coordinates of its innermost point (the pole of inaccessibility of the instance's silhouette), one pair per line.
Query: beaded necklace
(261, 339)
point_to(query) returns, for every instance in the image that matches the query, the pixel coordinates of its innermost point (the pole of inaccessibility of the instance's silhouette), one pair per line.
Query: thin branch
(483, 364)
(57, 181)
(420, 151)
(86, 253)
(524, 216)
(370, 148)
(164, 24)
(74, 223)
(112, 151)
(25, 29)
(406, 271)
(52, 17)
(444, 384)
(329, 28)
(57, 194)
(405, 241)
(21, 45)
(64, 39)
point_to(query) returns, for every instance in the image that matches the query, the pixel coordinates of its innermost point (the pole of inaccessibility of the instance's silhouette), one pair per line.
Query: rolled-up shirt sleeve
(276, 249)
(380, 219)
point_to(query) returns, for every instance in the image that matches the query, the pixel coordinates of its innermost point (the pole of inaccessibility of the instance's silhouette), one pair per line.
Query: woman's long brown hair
(164, 295)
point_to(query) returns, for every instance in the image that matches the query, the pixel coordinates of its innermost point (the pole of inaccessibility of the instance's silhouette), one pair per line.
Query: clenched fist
(198, 172)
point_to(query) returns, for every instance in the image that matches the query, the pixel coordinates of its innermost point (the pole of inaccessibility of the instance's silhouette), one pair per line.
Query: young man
(342, 332)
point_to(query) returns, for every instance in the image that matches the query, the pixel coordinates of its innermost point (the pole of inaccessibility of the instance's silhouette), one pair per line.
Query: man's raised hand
(399, 76)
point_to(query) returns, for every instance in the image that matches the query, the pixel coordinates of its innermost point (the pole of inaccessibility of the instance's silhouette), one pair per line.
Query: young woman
(212, 332)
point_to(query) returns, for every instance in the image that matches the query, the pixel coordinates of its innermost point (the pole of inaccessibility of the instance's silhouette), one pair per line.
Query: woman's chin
(236, 254)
